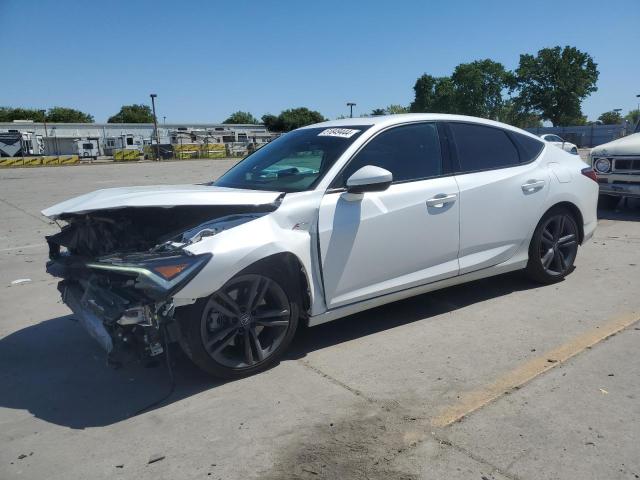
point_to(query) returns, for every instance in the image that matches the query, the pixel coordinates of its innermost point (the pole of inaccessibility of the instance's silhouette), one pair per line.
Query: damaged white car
(323, 222)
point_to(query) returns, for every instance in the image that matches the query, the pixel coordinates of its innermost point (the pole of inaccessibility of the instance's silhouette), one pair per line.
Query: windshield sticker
(338, 132)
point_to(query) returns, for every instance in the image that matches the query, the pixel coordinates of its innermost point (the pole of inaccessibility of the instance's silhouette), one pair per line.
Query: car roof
(382, 121)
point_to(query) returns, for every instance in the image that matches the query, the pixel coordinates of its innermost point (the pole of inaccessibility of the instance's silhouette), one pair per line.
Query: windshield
(293, 162)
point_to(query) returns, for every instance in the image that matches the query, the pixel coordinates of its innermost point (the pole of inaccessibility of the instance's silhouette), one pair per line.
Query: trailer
(87, 148)
(14, 143)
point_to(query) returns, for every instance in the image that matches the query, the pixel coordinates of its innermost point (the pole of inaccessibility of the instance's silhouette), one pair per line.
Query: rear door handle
(533, 186)
(441, 200)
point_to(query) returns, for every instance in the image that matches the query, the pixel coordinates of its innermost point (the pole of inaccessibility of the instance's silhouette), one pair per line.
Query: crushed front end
(125, 302)
(119, 270)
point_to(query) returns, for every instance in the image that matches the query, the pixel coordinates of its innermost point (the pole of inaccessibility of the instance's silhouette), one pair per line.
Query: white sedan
(560, 143)
(323, 222)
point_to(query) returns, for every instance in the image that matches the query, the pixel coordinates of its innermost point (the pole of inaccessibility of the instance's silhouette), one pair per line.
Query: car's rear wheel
(243, 328)
(574, 150)
(608, 202)
(554, 247)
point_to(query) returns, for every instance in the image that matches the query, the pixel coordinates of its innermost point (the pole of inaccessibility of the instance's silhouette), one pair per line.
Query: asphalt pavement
(496, 379)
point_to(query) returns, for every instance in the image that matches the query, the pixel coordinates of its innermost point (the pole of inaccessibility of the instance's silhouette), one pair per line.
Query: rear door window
(480, 147)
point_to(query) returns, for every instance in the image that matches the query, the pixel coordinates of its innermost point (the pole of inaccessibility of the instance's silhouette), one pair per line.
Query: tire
(608, 202)
(241, 340)
(574, 150)
(553, 247)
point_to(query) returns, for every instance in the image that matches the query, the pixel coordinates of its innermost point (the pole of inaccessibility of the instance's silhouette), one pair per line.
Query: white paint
(159, 196)
(378, 246)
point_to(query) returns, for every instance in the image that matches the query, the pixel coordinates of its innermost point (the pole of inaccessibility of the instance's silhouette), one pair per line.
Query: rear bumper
(589, 229)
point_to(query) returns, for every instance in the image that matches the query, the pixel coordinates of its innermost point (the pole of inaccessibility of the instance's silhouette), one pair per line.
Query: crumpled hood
(159, 196)
(629, 145)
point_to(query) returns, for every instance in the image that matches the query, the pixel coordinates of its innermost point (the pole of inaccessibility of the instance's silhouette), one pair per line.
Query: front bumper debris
(73, 297)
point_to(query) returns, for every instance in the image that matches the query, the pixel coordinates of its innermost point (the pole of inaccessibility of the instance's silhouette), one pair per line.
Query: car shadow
(627, 210)
(419, 308)
(55, 371)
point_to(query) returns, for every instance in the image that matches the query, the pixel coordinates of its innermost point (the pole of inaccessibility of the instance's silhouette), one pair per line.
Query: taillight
(590, 172)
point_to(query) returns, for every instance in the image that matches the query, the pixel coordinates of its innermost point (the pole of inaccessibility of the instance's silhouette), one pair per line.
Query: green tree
(271, 122)
(68, 115)
(478, 88)
(55, 114)
(132, 114)
(378, 111)
(555, 82)
(395, 109)
(433, 94)
(425, 94)
(610, 118)
(291, 119)
(9, 114)
(633, 116)
(515, 115)
(241, 117)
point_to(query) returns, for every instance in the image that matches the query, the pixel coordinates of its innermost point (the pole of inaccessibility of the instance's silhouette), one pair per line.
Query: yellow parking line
(476, 399)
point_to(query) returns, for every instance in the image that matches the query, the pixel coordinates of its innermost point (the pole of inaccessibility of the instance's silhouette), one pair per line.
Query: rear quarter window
(529, 148)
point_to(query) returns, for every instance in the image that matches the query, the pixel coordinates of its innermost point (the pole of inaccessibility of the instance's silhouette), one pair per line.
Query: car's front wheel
(554, 247)
(243, 328)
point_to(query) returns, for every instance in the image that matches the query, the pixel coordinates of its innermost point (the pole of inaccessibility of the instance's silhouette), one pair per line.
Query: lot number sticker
(338, 132)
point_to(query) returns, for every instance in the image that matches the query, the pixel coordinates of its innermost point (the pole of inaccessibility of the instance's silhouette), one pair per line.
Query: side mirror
(369, 179)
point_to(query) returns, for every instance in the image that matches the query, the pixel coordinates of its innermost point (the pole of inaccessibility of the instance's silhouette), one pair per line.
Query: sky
(207, 59)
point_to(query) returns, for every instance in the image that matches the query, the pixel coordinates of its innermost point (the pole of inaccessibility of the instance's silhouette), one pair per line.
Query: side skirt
(346, 310)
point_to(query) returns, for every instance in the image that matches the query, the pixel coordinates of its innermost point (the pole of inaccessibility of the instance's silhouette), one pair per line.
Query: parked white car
(560, 143)
(323, 222)
(618, 166)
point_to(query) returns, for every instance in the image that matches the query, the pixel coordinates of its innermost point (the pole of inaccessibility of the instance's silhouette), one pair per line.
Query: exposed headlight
(602, 165)
(158, 275)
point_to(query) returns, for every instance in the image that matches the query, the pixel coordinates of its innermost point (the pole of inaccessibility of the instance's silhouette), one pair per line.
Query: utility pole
(44, 119)
(155, 124)
(351, 105)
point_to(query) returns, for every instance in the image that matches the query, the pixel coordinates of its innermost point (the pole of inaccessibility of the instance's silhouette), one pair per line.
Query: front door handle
(533, 186)
(441, 200)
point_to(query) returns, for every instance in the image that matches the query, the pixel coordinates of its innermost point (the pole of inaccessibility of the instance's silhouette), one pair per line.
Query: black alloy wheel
(559, 244)
(243, 328)
(244, 322)
(554, 247)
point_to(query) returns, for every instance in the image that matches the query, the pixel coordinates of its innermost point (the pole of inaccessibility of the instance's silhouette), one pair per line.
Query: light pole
(638, 97)
(44, 119)
(351, 105)
(155, 124)
(164, 120)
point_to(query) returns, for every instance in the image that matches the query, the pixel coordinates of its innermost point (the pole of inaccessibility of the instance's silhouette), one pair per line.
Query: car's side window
(409, 152)
(481, 147)
(528, 147)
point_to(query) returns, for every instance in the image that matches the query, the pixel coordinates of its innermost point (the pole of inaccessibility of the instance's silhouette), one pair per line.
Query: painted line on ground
(476, 399)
